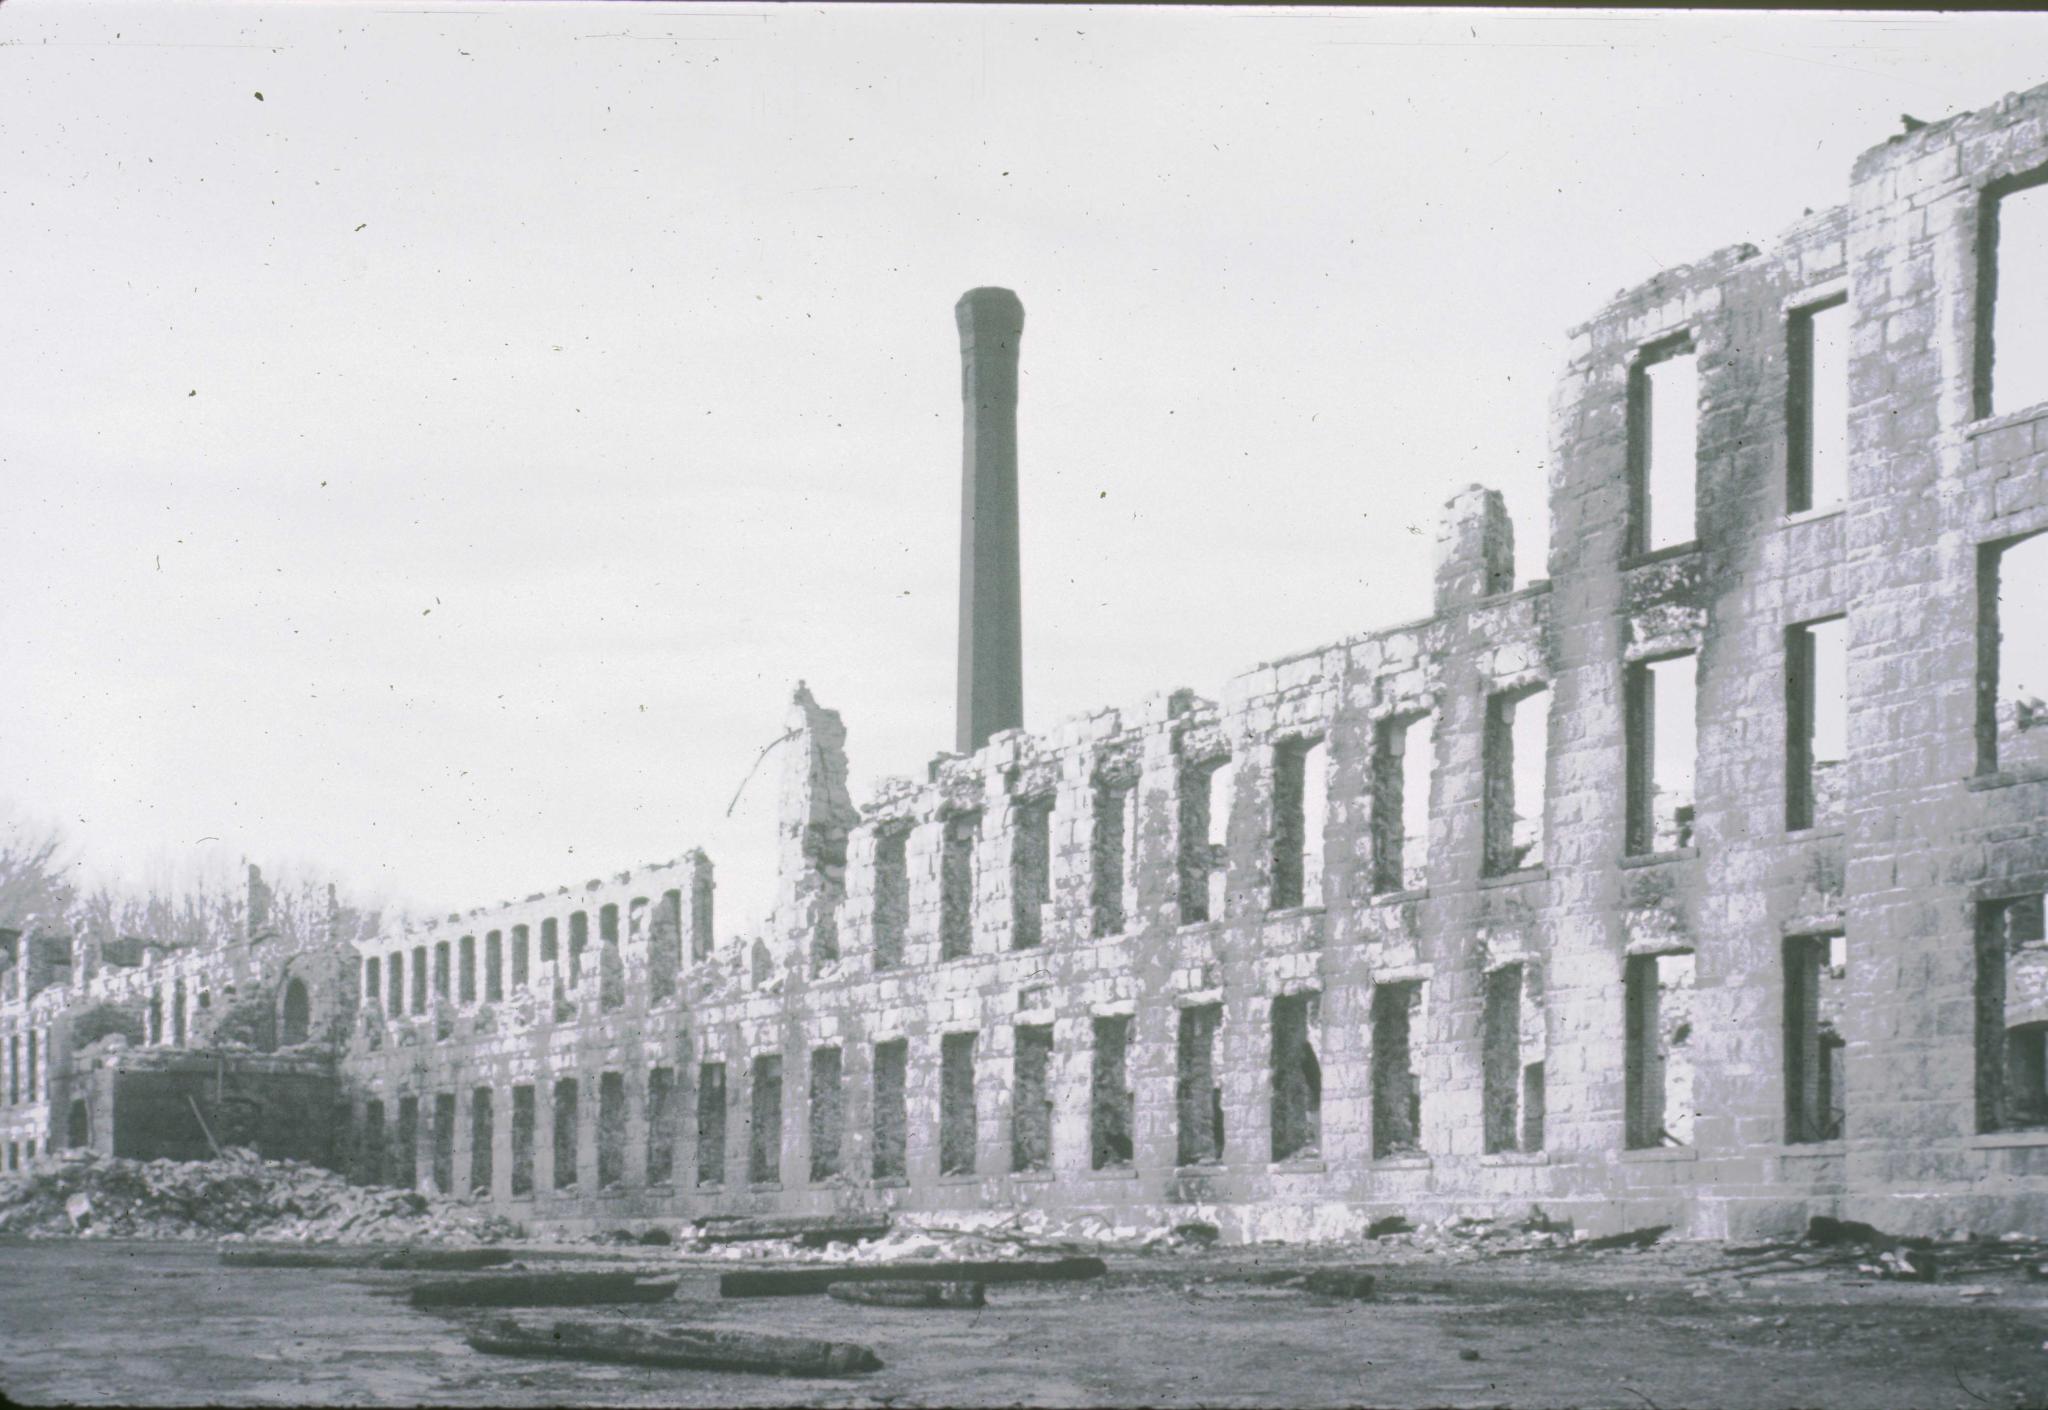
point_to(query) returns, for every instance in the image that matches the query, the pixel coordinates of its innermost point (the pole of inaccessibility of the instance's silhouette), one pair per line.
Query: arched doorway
(297, 1013)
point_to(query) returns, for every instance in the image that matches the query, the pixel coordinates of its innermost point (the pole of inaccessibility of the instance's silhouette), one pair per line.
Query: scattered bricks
(1347, 1283)
(543, 1290)
(800, 1282)
(910, 1294)
(686, 1348)
(810, 1230)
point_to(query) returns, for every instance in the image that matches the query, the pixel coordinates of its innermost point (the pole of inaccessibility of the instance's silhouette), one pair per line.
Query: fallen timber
(910, 1294)
(419, 1259)
(799, 1282)
(543, 1290)
(688, 1348)
(810, 1230)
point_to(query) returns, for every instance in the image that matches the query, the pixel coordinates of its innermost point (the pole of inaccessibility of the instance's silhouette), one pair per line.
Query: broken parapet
(1475, 548)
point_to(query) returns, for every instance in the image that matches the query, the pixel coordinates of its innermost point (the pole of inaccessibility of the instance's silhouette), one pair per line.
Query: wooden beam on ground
(811, 1230)
(543, 1290)
(799, 1282)
(689, 1348)
(910, 1294)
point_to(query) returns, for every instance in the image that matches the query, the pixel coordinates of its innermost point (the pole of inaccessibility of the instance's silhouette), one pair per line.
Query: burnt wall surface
(1357, 937)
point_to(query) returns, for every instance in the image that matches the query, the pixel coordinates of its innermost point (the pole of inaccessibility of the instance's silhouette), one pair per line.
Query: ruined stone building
(1698, 882)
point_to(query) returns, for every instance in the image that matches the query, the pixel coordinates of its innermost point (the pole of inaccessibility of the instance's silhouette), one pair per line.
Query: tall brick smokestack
(991, 611)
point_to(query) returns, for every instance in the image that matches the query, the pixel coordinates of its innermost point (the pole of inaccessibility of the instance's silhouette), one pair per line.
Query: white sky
(442, 469)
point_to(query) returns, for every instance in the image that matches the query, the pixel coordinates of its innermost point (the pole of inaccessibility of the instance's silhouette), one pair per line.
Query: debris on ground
(809, 1230)
(414, 1259)
(1392, 1224)
(910, 1294)
(1634, 1238)
(544, 1290)
(1339, 1282)
(799, 1282)
(698, 1348)
(84, 1194)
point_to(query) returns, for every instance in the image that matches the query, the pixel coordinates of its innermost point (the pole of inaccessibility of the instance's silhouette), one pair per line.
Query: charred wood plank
(543, 1290)
(799, 1282)
(910, 1294)
(811, 1230)
(688, 1348)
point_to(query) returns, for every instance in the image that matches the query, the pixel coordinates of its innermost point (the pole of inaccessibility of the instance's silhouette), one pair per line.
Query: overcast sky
(436, 440)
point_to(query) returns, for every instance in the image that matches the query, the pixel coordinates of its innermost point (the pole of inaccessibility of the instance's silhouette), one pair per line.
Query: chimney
(991, 614)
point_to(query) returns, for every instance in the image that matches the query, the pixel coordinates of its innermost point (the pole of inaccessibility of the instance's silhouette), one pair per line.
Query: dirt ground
(155, 1324)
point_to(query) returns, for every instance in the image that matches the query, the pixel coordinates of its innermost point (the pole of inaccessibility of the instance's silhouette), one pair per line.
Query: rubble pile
(241, 1196)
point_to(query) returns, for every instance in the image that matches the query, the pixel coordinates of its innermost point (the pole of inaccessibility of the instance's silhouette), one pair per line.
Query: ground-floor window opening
(958, 1133)
(481, 1134)
(2012, 668)
(764, 1147)
(1513, 1078)
(370, 1154)
(1816, 971)
(611, 1129)
(1657, 1034)
(1297, 1116)
(1031, 1103)
(891, 1147)
(827, 1114)
(661, 1125)
(711, 1123)
(1396, 1086)
(524, 1119)
(2012, 1015)
(405, 1161)
(565, 1133)
(1198, 1092)
(1109, 1106)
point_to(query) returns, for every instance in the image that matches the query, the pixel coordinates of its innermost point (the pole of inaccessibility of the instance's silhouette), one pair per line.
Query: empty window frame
(522, 957)
(608, 924)
(1109, 855)
(465, 979)
(892, 895)
(1657, 1058)
(442, 968)
(579, 940)
(764, 1145)
(419, 979)
(1297, 1109)
(482, 1132)
(565, 1133)
(1816, 971)
(1662, 744)
(1300, 809)
(1031, 1102)
(1030, 871)
(703, 890)
(2012, 648)
(2012, 1015)
(1205, 790)
(891, 1081)
(711, 1123)
(523, 1124)
(405, 1151)
(956, 885)
(665, 946)
(661, 1125)
(1663, 445)
(827, 1117)
(1198, 1088)
(611, 1129)
(1512, 1057)
(444, 1142)
(1817, 407)
(1396, 1084)
(958, 1131)
(1404, 758)
(1110, 1103)
(1816, 722)
(550, 950)
(371, 1158)
(1516, 753)
(396, 976)
(2012, 314)
(373, 981)
(494, 966)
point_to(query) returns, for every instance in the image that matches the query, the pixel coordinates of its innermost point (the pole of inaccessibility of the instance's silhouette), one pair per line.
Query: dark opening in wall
(550, 930)
(1516, 750)
(1404, 756)
(892, 1070)
(178, 1014)
(1658, 1055)
(1198, 1092)
(1030, 871)
(956, 886)
(1663, 445)
(1109, 848)
(524, 1119)
(77, 1126)
(892, 896)
(701, 914)
(579, 941)
(1300, 806)
(2012, 282)
(1817, 407)
(481, 1134)
(827, 1112)
(465, 977)
(441, 969)
(661, 1125)
(298, 1013)
(372, 1160)
(405, 1151)
(1205, 786)
(1815, 973)
(1031, 1102)
(1396, 1086)
(444, 1142)
(522, 958)
(1109, 1104)
(611, 1129)
(764, 1150)
(565, 1133)
(608, 924)
(419, 979)
(2012, 669)
(958, 1132)
(1297, 1116)
(1533, 1103)
(1662, 737)
(2012, 1015)
(33, 1090)
(494, 966)
(711, 1103)
(1501, 1056)
(1816, 723)
(156, 1016)
(665, 947)
(397, 978)
(373, 981)
(14, 1069)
